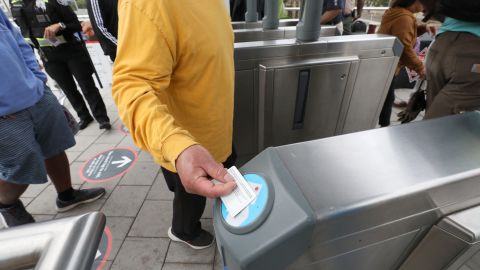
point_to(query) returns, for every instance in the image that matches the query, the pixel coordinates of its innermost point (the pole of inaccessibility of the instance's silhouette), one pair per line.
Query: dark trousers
(386, 113)
(68, 61)
(188, 208)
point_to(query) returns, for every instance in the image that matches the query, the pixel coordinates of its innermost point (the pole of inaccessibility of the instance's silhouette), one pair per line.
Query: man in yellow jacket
(173, 85)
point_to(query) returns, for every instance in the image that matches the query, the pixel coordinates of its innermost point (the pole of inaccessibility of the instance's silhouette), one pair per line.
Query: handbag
(415, 105)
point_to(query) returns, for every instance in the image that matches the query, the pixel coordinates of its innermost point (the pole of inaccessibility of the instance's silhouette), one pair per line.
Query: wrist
(62, 26)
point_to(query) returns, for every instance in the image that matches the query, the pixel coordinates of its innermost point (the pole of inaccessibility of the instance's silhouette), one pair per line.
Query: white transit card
(241, 196)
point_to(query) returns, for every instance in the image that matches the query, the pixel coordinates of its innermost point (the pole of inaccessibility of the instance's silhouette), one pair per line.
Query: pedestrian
(352, 14)
(103, 24)
(173, 85)
(332, 14)
(400, 21)
(34, 133)
(53, 27)
(453, 61)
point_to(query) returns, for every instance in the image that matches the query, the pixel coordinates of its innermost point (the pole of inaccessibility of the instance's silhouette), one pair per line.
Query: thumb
(217, 171)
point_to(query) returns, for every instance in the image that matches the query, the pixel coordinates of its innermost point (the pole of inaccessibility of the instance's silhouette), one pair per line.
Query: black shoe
(105, 125)
(80, 196)
(15, 215)
(204, 240)
(84, 123)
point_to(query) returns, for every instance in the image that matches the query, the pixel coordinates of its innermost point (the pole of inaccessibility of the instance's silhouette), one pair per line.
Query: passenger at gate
(453, 61)
(400, 21)
(173, 85)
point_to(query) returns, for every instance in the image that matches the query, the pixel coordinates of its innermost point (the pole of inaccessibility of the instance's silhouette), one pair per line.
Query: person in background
(53, 28)
(332, 14)
(174, 91)
(34, 133)
(351, 14)
(453, 61)
(400, 21)
(103, 24)
(239, 7)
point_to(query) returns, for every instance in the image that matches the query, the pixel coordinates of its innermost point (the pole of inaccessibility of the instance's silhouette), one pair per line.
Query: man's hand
(51, 31)
(87, 28)
(196, 168)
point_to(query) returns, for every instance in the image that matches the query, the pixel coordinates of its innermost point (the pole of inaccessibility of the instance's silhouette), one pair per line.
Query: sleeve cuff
(174, 145)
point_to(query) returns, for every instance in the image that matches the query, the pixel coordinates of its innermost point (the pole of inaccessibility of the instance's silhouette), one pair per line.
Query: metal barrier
(66, 244)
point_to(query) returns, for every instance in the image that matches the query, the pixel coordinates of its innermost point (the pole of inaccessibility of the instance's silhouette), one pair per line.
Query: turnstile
(289, 32)
(67, 243)
(288, 91)
(362, 201)
(258, 24)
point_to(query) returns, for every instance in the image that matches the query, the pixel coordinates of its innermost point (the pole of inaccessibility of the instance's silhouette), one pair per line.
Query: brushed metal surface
(67, 244)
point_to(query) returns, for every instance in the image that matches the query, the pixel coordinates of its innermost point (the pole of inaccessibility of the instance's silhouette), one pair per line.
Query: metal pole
(271, 21)
(308, 27)
(251, 15)
(67, 244)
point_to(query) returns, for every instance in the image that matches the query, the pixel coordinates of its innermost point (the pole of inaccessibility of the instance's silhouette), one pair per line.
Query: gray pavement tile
(106, 266)
(142, 174)
(159, 190)
(95, 149)
(125, 201)
(44, 203)
(83, 208)
(75, 173)
(154, 219)
(72, 155)
(119, 226)
(112, 109)
(26, 200)
(33, 190)
(186, 266)
(116, 245)
(109, 186)
(91, 130)
(127, 142)
(145, 156)
(181, 253)
(83, 142)
(113, 136)
(141, 253)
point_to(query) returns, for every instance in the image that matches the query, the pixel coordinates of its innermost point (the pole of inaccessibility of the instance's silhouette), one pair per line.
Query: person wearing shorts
(34, 133)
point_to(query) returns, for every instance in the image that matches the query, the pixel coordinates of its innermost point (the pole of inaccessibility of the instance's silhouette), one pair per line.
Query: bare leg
(9, 193)
(58, 169)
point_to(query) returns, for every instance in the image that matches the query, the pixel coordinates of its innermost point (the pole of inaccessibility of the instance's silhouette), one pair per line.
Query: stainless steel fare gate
(288, 91)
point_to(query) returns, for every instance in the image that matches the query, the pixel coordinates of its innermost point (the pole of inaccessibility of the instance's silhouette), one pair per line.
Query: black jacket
(55, 12)
(104, 18)
(239, 7)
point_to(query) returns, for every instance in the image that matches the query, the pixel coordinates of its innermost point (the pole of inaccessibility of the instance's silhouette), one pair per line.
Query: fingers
(48, 33)
(217, 171)
(206, 188)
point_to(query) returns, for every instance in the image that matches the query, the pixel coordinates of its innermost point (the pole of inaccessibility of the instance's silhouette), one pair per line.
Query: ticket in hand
(241, 196)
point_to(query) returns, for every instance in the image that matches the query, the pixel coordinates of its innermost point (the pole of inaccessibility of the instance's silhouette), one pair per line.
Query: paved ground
(137, 205)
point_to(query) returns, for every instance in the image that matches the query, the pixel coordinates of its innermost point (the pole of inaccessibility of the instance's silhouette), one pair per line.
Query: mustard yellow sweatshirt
(173, 76)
